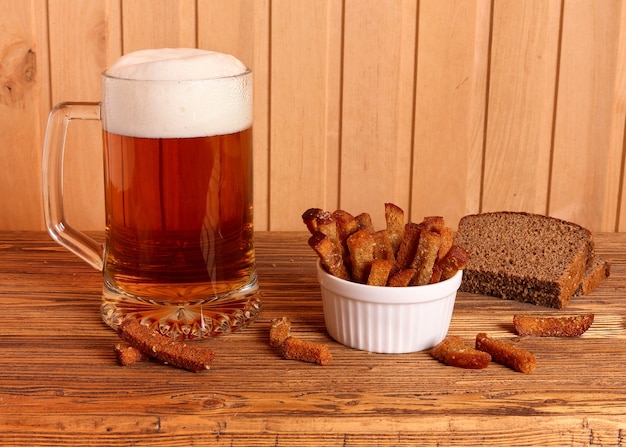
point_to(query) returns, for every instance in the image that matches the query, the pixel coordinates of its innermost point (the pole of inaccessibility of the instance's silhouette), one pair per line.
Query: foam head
(176, 93)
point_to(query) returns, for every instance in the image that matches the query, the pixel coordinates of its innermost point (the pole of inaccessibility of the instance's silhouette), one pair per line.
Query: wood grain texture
(24, 106)
(523, 67)
(60, 384)
(444, 107)
(78, 55)
(304, 100)
(243, 28)
(587, 90)
(453, 50)
(158, 23)
(377, 104)
(618, 120)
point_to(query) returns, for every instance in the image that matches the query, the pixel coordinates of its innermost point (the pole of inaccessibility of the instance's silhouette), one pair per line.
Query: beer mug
(177, 132)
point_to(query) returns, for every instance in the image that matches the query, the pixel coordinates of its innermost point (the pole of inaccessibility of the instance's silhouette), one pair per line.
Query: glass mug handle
(75, 241)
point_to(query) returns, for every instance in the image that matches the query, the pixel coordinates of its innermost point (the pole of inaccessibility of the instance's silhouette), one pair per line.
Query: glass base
(203, 318)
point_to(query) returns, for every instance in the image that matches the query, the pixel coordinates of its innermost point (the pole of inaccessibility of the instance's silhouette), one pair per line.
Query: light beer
(178, 192)
(179, 215)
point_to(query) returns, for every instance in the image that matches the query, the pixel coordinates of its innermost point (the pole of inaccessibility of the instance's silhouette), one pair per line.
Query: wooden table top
(60, 383)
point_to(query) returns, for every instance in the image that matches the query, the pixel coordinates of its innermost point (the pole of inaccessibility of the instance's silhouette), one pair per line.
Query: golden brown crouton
(453, 352)
(456, 259)
(361, 247)
(379, 272)
(329, 254)
(562, 326)
(306, 351)
(394, 219)
(280, 329)
(506, 353)
(425, 257)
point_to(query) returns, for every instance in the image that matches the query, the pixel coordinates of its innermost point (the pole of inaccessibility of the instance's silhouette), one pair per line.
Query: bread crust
(598, 272)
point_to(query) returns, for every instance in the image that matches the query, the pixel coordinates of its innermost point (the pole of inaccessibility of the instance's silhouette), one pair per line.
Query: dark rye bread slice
(526, 257)
(599, 270)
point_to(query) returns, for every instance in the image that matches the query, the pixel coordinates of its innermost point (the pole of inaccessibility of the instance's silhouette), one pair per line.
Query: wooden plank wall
(444, 107)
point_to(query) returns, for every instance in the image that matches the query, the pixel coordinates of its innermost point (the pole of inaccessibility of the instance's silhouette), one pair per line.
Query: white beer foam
(176, 93)
(175, 64)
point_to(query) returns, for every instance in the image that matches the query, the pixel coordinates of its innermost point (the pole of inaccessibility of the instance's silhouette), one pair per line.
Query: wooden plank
(242, 28)
(24, 107)
(60, 383)
(521, 105)
(304, 105)
(587, 159)
(158, 24)
(351, 104)
(377, 105)
(231, 27)
(450, 103)
(82, 44)
(618, 126)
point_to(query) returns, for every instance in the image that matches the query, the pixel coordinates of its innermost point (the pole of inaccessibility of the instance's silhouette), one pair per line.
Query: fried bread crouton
(280, 329)
(361, 248)
(329, 254)
(383, 248)
(394, 219)
(402, 278)
(425, 257)
(163, 348)
(422, 253)
(453, 352)
(454, 260)
(447, 238)
(379, 272)
(127, 355)
(432, 223)
(437, 272)
(408, 246)
(306, 351)
(310, 216)
(506, 353)
(562, 326)
(327, 225)
(364, 222)
(346, 224)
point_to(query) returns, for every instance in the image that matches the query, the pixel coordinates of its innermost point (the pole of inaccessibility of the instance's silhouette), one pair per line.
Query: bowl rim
(392, 295)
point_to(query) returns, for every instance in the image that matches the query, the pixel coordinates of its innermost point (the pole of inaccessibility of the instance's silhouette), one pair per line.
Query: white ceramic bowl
(387, 319)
